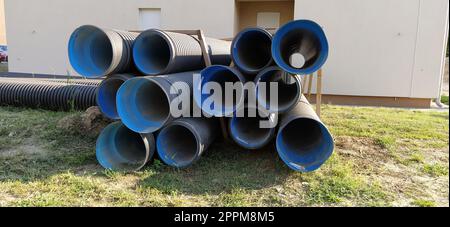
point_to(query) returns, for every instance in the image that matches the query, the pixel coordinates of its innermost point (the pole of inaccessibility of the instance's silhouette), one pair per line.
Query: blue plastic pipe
(157, 52)
(220, 75)
(95, 52)
(300, 47)
(289, 90)
(183, 141)
(251, 129)
(144, 103)
(303, 142)
(120, 149)
(251, 50)
(107, 92)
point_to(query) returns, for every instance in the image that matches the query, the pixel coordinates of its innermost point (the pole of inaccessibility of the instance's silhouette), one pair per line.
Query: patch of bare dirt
(91, 122)
(404, 183)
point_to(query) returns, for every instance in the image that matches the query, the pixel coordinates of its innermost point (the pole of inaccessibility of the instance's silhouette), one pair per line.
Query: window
(149, 18)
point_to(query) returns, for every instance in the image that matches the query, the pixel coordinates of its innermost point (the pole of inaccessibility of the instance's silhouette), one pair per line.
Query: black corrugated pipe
(304, 143)
(95, 52)
(119, 148)
(107, 92)
(47, 95)
(157, 52)
(183, 141)
(289, 89)
(251, 50)
(144, 103)
(252, 128)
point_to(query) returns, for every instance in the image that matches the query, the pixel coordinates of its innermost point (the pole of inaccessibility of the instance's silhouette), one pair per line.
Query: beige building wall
(38, 31)
(2, 23)
(382, 48)
(392, 48)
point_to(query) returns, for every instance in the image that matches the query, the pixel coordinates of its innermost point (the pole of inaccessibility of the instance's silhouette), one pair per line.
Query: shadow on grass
(33, 148)
(223, 168)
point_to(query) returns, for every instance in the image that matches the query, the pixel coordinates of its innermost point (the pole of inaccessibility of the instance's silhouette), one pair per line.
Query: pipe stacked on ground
(107, 92)
(183, 141)
(144, 103)
(46, 94)
(252, 128)
(119, 148)
(157, 52)
(251, 50)
(303, 142)
(95, 52)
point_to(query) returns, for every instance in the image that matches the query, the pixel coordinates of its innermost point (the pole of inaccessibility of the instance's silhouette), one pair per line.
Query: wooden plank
(310, 85)
(319, 92)
(204, 46)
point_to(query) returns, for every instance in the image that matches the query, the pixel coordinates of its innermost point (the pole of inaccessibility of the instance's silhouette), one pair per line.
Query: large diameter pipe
(107, 92)
(253, 129)
(303, 142)
(157, 52)
(300, 47)
(216, 104)
(251, 50)
(183, 141)
(289, 90)
(95, 52)
(144, 103)
(120, 149)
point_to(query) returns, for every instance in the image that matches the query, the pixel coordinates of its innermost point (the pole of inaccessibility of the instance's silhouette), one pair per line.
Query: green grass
(377, 151)
(444, 99)
(3, 67)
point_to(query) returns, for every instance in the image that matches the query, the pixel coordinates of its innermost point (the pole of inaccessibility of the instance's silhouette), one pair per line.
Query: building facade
(382, 52)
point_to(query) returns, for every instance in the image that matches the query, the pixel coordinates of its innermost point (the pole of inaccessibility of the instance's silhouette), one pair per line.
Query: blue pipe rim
(254, 146)
(137, 58)
(128, 110)
(104, 108)
(76, 65)
(234, 49)
(300, 24)
(199, 97)
(296, 163)
(266, 106)
(110, 132)
(162, 152)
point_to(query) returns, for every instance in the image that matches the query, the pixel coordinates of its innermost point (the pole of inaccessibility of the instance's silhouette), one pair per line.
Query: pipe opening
(177, 146)
(304, 144)
(288, 93)
(300, 48)
(152, 53)
(143, 105)
(90, 51)
(253, 50)
(246, 131)
(222, 76)
(119, 148)
(106, 99)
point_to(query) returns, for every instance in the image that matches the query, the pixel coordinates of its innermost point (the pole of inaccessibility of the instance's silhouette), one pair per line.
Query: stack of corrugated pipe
(157, 78)
(47, 93)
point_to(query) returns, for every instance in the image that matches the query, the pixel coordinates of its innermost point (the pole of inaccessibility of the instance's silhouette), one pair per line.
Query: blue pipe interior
(90, 51)
(301, 37)
(252, 50)
(288, 93)
(304, 144)
(119, 148)
(246, 131)
(151, 53)
(220, 75)
(177, 146)
(142, 105)
(106, 99)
